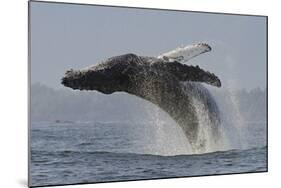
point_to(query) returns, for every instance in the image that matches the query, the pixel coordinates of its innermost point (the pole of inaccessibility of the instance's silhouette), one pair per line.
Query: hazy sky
(65, 36)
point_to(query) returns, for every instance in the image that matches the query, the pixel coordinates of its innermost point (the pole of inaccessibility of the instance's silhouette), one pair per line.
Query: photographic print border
(144, 8)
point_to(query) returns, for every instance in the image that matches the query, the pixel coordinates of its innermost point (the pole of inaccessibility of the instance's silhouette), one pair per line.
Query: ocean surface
(89, 152)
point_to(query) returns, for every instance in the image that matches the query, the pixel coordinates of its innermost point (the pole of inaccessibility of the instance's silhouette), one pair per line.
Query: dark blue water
(76, 152)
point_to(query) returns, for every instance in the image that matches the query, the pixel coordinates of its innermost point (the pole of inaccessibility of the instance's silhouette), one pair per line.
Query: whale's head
(106, 77)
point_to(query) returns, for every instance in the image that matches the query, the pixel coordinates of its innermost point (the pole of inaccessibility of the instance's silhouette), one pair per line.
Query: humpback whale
(162, 80)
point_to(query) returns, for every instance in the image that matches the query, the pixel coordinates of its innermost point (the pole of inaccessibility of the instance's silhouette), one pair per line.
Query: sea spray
(228, 132)
(210, 135)
(163, 134)
(167, 138)
(233, 122)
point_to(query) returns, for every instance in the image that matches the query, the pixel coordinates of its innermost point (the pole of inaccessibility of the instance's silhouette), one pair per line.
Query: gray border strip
(29, 95)
(113, 6)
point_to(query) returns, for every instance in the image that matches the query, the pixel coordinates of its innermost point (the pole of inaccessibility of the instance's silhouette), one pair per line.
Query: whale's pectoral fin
(172, 59)
(192, 73)
(186, 53)
(194, 50)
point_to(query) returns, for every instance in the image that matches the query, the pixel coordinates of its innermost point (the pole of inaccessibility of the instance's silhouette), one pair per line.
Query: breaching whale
(162, 80)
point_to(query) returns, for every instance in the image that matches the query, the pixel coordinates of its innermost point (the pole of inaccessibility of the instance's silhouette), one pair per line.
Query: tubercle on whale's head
(105, 79)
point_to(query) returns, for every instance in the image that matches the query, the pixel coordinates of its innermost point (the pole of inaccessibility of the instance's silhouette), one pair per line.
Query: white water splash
(207, 141)
(211, 134)
(232, 120)
(165, 136)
